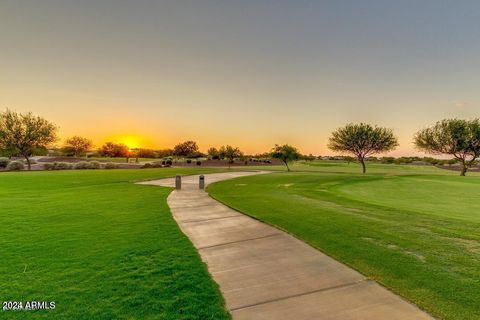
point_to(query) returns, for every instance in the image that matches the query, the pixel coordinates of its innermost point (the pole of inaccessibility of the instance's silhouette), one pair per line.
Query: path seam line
(218, 218)
(238, 241)
(345, 285)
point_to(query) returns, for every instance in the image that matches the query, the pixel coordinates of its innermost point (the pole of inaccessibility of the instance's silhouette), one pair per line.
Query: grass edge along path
(419, 256)
(101, 247)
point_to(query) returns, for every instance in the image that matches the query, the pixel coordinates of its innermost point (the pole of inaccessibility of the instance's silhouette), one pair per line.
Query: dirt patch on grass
(395, 247)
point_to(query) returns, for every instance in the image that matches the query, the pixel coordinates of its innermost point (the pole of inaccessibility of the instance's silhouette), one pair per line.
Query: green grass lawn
(414, 229)
(99, 246)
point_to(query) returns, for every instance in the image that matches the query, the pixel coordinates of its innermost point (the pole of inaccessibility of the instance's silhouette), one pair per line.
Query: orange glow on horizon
(131, 141)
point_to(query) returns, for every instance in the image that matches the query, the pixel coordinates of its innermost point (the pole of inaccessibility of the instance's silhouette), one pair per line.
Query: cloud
(460, 104)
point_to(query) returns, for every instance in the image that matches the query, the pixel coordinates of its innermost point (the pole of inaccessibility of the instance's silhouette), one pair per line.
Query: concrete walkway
(266, 274)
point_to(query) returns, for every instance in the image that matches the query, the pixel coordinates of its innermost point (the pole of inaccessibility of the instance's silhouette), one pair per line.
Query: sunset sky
(246, 73)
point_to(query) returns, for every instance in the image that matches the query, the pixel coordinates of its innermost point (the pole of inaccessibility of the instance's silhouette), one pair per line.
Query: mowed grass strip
(418, 234)
(99, 246)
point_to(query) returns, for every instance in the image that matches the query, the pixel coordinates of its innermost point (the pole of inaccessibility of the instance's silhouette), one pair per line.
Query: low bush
(95, 165)
(15, 166)
(199, 163)
(82, 165)
(32, 161)
(85, 165)
(110, 165)
(147, 166)
(189, 161)
(4, 162)
(57, 166)
(157, 164)
(48, 166)
(62, 166)
(168, 162)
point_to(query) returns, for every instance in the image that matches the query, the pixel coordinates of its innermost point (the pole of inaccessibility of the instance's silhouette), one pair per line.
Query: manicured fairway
(417, 233)
(100, 247)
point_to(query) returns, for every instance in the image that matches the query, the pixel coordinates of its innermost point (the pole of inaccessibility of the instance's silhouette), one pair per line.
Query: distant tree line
(25, 135)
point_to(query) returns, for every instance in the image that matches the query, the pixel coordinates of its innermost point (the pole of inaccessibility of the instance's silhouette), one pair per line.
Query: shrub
(82, 165)
(61, 166)
(110, 165)
(168, 162)
(32, 161)
(199, 163)
(388, 160)
(147, 166)
(57, 166)
(189, 161)
(95, 165)
(15, 166)
(157, 164)
(4, 162)
(48, 166)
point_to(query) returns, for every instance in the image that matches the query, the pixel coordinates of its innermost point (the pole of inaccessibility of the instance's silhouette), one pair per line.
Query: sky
(250, 73)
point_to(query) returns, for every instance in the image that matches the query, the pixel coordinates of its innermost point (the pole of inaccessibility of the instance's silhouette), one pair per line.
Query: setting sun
(130, 141)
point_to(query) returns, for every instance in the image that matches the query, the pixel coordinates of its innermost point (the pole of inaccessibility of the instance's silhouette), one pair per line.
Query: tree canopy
(77, 145)
(286, 153)
(22, 133)
(114, 150)
(213, 153)
(362, 140)
(185, 149)
(456, 137)
(230, 153)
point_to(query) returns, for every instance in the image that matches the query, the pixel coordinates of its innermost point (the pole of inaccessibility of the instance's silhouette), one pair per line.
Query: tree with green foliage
(77, 146)
(456, 137)
(22, 133)
(362, 140)
(185, 149)
(230, 153)
(213, 153)
(114, 150)
(286, 153)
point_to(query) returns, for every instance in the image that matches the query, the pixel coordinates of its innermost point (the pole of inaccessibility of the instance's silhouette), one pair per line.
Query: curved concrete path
(266, 274)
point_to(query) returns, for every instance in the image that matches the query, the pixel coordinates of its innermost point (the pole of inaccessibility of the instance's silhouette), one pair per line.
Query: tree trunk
(464, 169)
(29, 165)
(286, 163)
(362, 161)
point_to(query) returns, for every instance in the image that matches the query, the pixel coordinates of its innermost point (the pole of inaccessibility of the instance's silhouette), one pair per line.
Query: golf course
(414, 229)
(103, 247)
(239, 160)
